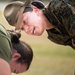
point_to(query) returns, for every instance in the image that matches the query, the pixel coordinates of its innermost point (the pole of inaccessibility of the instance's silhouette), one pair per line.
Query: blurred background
(49, 58)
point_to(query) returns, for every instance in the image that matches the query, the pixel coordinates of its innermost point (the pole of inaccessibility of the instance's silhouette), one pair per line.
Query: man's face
(17, 67)
(32, 23)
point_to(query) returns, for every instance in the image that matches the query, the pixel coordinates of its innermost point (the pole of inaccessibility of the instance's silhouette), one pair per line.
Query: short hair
(39, 4)
(29, 7)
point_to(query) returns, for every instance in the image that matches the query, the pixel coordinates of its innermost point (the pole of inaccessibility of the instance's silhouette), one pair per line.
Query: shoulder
(5, 44)
(4, 32)
(3, 29)
(4, 67)
(55, 4)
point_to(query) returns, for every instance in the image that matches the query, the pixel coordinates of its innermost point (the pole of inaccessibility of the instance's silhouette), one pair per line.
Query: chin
(38, 34)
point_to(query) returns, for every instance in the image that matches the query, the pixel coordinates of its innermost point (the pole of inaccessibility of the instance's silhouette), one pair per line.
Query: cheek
(33, 19)
(22, 68)
(40, 29)
(39, 25)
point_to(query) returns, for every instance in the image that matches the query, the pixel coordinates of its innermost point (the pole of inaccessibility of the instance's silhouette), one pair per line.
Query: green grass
(49, 58)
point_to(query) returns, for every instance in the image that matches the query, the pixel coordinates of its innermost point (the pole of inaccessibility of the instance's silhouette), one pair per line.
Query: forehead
(26, 14)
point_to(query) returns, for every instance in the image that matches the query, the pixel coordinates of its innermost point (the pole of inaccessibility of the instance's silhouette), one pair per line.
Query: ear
(36, 10)
(16, 56)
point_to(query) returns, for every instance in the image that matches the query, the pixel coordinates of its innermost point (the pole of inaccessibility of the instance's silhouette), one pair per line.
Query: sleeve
(5, 45)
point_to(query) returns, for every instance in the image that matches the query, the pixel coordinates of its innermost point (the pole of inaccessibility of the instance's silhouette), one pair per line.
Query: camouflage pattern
(61, 14)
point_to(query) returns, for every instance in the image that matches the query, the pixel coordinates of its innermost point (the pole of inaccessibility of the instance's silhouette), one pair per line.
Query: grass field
(49, 58)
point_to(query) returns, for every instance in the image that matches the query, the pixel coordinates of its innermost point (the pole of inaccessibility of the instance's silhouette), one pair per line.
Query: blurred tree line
(20, 0)
(12, 0)
(24, 0)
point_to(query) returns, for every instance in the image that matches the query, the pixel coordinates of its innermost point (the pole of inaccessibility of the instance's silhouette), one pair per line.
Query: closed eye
(24, 22)
(16, 72)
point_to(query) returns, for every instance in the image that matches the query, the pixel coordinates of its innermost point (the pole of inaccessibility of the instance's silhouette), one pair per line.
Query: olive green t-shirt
(5, 44)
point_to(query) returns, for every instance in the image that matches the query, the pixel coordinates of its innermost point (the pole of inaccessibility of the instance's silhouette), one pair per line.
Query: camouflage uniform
(61, 14)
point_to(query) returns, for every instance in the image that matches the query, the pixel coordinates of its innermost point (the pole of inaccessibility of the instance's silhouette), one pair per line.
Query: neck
(46, 23)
